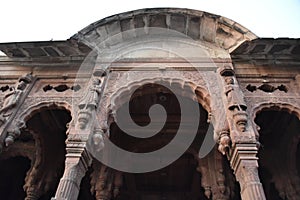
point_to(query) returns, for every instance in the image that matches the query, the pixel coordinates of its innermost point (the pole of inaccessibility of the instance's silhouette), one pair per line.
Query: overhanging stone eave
(44, 49)
(198, 25)
(266, 51)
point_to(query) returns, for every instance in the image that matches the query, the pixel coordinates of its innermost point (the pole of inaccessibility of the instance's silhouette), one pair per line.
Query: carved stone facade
(62, 102)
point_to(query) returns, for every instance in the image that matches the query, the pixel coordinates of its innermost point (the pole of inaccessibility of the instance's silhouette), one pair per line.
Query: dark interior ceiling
(178, 181)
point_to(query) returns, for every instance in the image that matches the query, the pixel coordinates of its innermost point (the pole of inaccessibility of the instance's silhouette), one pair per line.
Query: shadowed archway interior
(181, 179)
(279, 154)
(43, 141)
(12, 177)
(49, 127)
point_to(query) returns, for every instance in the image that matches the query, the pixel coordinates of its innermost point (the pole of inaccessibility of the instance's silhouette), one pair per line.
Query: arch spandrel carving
(203, 88)
(35, 107)
(121, 83)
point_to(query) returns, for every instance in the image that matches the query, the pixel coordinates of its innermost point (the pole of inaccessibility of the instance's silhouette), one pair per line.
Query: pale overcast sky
(37, 20)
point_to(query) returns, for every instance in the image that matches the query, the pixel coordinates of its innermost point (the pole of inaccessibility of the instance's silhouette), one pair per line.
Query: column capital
(243, 151)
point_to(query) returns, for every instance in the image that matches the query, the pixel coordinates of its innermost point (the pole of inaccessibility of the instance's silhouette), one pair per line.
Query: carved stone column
(244, 142)
(78, 159)
(77, 162)
(245, 165)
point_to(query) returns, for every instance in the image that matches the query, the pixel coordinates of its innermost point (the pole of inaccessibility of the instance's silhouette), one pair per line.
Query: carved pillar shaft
(77, 162)
(32, 194)
(251, 188)
(242, 154)
(245, 165)
(70, 183)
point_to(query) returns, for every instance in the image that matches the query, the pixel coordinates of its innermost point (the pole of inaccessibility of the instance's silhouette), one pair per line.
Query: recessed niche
(267, 88)
(61, 88)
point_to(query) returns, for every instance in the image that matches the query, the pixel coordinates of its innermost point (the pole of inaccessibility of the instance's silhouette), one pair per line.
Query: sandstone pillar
(245, 166)
(242, 153)
(77, 162)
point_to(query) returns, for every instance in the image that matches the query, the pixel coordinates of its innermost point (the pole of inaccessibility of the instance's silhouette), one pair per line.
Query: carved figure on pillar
(98, 140)
(14, 132)
(91, 98)
(89, 103)
(236, 103)
(12, 98)
(224, 142)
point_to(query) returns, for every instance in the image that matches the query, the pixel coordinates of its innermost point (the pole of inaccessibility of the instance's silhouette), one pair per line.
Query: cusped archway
(46, 122)
(182, 178)
(279, 136)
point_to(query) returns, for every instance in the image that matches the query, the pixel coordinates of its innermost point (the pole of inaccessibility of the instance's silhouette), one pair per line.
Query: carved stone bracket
(10, 128)
(224, 142)
(13, 132)
(241, 129)
(218, 113)
(89, 103)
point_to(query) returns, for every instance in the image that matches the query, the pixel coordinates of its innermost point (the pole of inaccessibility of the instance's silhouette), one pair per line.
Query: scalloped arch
(290, 167)
(44, 105)
(279, 106)
(119, 97)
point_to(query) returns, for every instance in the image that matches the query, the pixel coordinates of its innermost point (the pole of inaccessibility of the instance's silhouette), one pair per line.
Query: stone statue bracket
(224, 142)
(236, 103)
(96, 142)
(14, 132)
(12, 98)
(89, 103)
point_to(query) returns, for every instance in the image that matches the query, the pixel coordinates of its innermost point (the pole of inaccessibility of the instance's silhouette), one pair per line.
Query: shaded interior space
(12, 177)
(231, 182)
(180, 180)
(139, 105)
(279, 154)
(49, 129)
(85, 187)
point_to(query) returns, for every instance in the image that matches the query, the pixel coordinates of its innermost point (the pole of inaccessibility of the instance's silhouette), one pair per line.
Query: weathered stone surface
(236, 81)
